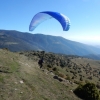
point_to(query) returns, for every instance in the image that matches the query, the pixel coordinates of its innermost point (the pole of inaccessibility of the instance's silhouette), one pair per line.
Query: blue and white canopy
(42, 16)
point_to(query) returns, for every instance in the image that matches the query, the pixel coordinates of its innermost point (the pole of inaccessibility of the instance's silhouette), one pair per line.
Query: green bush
(55, 69)
(88, 91)
(76, 82)
(67, 77)
(49, 66)
(81, 78)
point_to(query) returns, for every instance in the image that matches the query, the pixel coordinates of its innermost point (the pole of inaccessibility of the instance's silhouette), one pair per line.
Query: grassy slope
(22, 79)
(76, 69)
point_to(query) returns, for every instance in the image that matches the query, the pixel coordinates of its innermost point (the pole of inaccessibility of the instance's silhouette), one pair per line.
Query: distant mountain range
(98, 46)
(22, 41)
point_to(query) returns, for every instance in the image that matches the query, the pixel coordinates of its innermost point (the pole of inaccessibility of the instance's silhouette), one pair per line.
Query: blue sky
(83, 14)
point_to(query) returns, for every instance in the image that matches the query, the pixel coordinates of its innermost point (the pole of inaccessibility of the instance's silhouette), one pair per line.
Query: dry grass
(76, 69)
(26, 81)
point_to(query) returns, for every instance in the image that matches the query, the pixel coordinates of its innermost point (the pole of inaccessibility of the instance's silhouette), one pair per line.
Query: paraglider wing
(42, 16)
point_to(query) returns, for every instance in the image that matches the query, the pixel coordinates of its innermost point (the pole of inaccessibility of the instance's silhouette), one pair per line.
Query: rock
(21, 82)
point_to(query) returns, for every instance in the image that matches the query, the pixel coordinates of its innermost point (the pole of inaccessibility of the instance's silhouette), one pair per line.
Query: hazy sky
(84, 16)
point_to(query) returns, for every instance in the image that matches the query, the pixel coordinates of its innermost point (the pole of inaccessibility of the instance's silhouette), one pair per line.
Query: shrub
(67, 77)
(76, 82)
(73, 77)
(54, 69)
(98, 86)
(61, 75)
(88, 91)
(81, 79)
(49, 66)
(62, 65)
(86, 81)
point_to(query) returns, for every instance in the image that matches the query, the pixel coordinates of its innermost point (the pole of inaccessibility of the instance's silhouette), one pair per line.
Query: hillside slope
(70, 67)
(18, 41)
(22, 79)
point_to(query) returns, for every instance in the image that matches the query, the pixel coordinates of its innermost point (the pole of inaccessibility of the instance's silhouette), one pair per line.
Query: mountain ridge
(22, 41)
